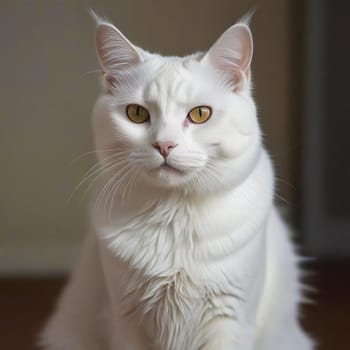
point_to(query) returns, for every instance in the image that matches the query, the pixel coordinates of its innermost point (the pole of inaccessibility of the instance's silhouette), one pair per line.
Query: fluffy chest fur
(168, 286)
(187, 262)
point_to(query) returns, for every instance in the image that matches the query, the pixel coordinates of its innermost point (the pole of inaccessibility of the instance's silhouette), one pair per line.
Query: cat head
(178, 123)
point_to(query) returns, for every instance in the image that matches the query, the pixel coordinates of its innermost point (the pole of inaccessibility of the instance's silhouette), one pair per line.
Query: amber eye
(199, 114)
(137, 113)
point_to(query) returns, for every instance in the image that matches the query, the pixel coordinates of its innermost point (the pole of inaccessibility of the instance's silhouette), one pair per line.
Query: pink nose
(164, 148)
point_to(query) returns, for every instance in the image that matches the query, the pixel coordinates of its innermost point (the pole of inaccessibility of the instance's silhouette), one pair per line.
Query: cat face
(177, 123)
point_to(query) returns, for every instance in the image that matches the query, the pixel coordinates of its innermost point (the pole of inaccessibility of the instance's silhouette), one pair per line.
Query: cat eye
(137, 113)
(199, 115)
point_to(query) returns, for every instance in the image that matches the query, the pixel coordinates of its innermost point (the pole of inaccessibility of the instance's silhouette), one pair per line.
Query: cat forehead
(169, 80)
(179, 80)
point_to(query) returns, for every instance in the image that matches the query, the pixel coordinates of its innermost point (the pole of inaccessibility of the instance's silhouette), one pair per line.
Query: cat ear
(232, 53)
(115, 52)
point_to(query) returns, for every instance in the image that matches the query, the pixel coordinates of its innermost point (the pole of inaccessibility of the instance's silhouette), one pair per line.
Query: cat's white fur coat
(190, 256)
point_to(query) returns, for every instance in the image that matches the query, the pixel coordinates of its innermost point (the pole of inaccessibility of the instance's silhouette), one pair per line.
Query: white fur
(195, 258)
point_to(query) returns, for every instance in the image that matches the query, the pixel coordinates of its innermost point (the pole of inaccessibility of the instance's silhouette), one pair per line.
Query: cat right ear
(115, 52)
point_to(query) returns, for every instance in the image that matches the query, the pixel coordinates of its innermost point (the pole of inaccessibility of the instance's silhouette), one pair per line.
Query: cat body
(186, 249)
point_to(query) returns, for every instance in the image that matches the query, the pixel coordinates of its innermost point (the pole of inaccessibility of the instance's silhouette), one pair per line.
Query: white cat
(186, 250)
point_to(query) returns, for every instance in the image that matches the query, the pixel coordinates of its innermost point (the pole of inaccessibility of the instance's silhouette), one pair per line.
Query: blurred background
(49, 82)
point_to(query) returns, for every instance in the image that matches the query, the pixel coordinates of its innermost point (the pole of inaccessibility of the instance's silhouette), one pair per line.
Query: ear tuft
(98, 19)
(232, 53)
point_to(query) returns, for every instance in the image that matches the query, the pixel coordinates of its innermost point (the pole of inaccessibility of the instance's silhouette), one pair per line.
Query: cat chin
(166, 176)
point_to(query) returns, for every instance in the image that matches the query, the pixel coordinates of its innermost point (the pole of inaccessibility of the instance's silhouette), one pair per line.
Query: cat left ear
(232, 53)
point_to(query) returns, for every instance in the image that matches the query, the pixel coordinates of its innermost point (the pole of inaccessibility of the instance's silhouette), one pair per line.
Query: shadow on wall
(326, 169)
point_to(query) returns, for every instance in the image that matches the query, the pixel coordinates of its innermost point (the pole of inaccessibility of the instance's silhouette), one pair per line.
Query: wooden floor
(26, 303)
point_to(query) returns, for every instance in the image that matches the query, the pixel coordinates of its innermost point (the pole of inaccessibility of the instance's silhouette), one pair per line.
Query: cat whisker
(284, 200)
(109, 183)
(97, 168)
(100, 164)
(211, 177)
(109, 195)
(126, 187)
(92, 170)
(100, 172)
(122, 175)
(74, 160)
(101, 195)
(115, 188)
(91, 72)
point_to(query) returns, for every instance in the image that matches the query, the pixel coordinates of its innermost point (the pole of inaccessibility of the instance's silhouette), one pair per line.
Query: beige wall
(47, 95)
